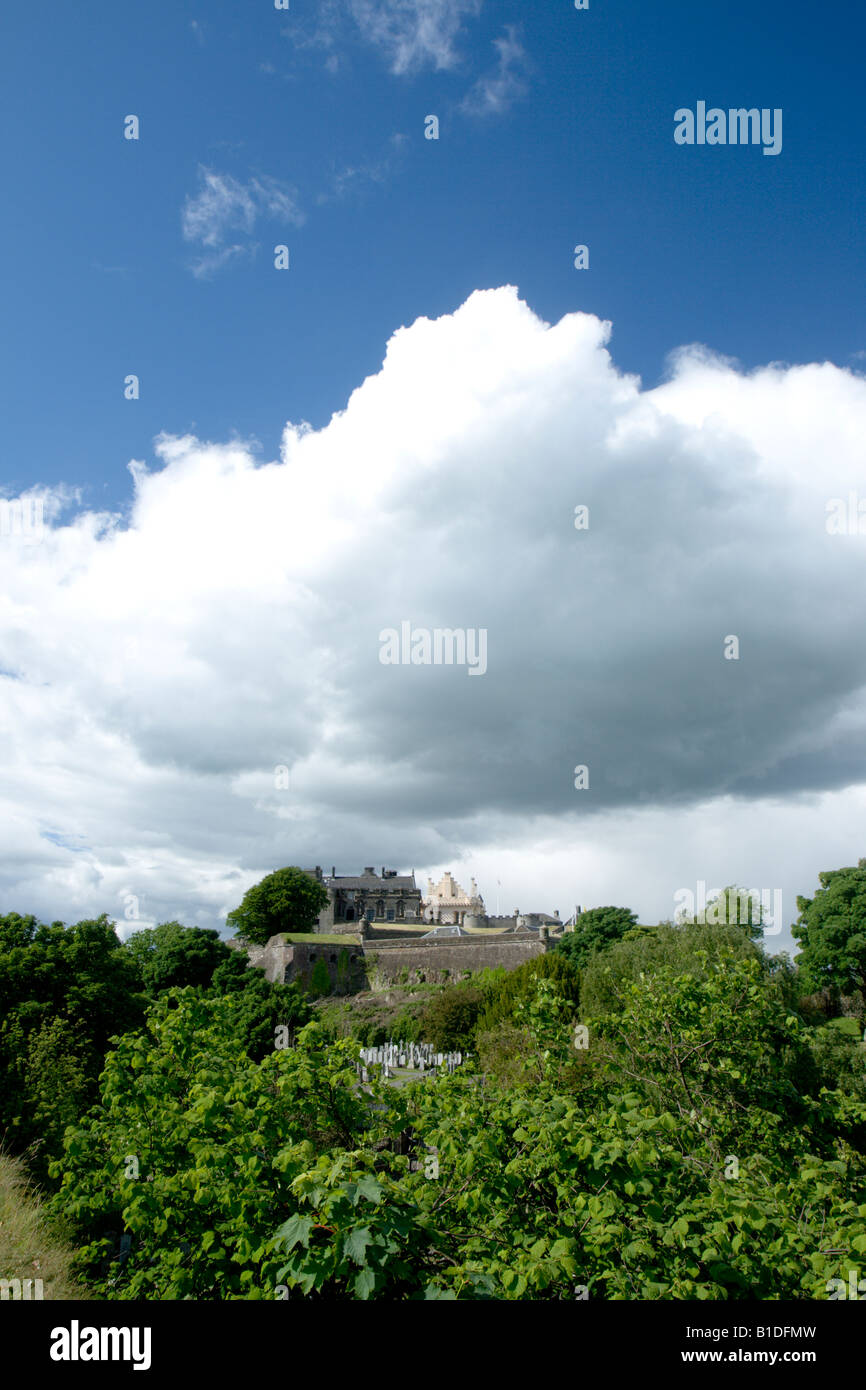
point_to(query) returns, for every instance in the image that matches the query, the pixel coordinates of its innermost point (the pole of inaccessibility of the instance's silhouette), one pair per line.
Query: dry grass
(30, 1246)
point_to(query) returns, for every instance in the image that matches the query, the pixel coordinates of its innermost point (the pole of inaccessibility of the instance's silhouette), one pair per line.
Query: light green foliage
(706, 1144)
(218, 1141)
(684, 949)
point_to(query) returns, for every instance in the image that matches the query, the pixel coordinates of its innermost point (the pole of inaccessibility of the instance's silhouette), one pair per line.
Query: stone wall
(373, 964)
(437, 961)
(344, 964)
(275, 958)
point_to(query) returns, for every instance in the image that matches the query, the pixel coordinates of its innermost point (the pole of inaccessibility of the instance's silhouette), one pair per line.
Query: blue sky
(184, 628)
(760, 257)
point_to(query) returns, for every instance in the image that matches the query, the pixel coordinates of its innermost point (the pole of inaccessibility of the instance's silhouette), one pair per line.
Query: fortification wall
(436, 961)
(274, 959)
(375, 964)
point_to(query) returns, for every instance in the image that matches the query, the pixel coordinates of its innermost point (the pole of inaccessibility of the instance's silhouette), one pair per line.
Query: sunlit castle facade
(448, 903)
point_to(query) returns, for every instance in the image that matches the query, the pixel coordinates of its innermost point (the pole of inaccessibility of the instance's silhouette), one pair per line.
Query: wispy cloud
(414, 33)
(410, 34)
(222, 216)
(354, 177)
(498, 89)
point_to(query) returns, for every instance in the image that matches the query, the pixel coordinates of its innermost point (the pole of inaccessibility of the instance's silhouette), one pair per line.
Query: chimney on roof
(333, 871)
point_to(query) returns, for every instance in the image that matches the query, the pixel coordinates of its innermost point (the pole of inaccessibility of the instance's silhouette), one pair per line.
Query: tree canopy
(831, 930)
(288, 900)
(173, 955)
(733, 906)
(595, 930)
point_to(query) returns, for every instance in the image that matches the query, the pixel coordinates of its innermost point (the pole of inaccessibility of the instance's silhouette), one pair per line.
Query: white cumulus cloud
(156, 672)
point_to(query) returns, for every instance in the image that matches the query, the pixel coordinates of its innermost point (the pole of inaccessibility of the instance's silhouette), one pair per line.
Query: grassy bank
(30, 1246)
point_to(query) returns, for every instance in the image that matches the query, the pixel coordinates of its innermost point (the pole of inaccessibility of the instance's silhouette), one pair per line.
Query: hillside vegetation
(30, 1246)
(660, 1112)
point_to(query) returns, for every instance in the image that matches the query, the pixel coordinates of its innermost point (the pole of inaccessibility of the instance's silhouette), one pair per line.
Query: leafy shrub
(450, 1017)
(504, 993)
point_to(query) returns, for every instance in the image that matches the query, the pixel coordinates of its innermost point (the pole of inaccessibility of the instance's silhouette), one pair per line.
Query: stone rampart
(376, 964)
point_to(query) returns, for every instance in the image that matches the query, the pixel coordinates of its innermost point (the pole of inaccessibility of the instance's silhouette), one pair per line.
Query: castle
(370, 897)
(400, 936)
(389, 898)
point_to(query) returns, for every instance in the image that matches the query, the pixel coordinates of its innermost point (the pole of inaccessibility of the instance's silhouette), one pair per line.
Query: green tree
(194, 1149)
(288, 900)
(262, 1007)
(64, 992)
(171, 955)
(595, 930)
(831, 930)
(690, 949)
(504, 992)
(733, 906)
(451, 1015)
(60, 1070)
(251, 1176)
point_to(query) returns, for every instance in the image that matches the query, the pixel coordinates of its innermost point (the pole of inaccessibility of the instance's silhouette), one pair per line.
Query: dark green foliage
(371, 1019)
(64, 992)
(595, 930)
(343, 971)
(451, 1015)
(840, 1060)
(320, 980)
(286, 900)
(504, 994)
(171, 956)
(831, 930)
(261, 1007)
